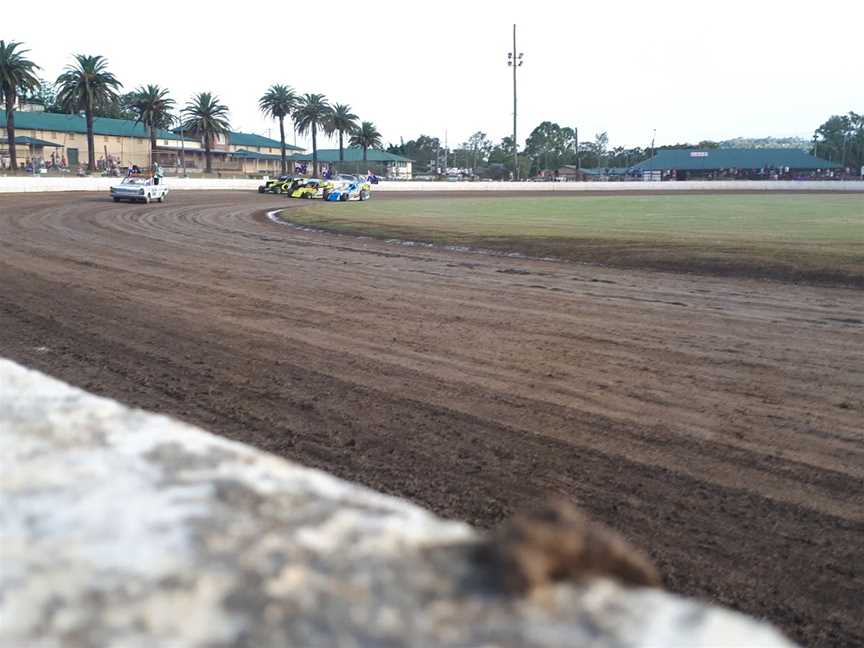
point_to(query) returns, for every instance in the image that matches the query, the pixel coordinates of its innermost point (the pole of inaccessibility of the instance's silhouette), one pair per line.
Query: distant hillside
(767, 142)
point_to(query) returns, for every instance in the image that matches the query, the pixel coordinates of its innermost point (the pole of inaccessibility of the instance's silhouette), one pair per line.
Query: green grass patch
(807, 237)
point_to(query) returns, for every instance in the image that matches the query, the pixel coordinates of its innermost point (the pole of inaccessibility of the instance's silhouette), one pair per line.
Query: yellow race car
(311, 188)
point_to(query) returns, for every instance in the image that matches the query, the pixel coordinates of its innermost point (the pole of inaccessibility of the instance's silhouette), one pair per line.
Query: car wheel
(161, 198)
(116, 200)
(344, 197)
(146, 199)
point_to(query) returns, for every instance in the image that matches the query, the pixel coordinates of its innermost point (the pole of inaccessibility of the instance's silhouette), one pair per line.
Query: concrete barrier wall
(689, 185)
(123, 528)
(25, 184)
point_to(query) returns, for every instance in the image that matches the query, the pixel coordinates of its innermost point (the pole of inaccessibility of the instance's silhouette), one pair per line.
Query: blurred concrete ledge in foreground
(123, 528)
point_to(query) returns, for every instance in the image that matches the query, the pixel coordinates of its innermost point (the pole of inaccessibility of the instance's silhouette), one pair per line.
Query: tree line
(841, 139)
(87, 86)
(550, 146)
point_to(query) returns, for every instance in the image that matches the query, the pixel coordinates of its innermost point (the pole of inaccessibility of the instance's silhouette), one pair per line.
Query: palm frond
(86, 84)
(367, 136)
(278, 102)
(17, 72)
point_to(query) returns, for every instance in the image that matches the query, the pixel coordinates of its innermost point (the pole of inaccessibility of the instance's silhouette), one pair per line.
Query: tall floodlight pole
(515, 61)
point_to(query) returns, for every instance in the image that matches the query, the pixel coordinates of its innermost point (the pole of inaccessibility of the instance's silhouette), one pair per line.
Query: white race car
(140, 189)
(349, 187)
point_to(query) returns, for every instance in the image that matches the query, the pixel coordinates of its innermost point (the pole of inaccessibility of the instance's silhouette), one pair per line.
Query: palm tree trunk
(314, 151)
(282, 135)
(209, 167)
(365, 149)
(341, 147)
(91, 151)
(152, 147)
(10, 127)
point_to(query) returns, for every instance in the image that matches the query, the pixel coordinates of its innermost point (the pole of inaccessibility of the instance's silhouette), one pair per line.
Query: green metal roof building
(64, 123)
(126, 141)
(253, 155)
(700, 160)
(392, 165)
(251, 139)
(352, 154)
(28, 141)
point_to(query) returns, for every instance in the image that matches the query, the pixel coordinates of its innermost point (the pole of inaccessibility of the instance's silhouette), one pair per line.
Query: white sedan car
(140, 189)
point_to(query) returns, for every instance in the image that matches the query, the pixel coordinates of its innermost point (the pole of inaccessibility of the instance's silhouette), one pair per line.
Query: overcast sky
(691, 70)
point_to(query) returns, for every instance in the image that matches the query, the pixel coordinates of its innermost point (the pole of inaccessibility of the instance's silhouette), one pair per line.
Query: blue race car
(347, 187)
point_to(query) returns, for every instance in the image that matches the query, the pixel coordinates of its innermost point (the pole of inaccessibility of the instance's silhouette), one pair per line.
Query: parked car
(140, 189)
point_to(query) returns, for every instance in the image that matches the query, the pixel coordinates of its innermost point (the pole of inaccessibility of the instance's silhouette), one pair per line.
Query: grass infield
(811, 238)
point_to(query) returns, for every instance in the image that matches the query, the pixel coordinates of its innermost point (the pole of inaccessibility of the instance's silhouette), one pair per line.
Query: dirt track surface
(716, 423)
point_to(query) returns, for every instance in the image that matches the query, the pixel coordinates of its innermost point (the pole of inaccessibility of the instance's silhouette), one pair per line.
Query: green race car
(279, 185)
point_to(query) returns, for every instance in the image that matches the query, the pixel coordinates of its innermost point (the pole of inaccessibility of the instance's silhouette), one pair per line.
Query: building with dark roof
(388, 164)
(122, 141)
(731, 163)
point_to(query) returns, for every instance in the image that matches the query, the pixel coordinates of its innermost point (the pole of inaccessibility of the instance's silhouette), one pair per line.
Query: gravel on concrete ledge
(123, 528)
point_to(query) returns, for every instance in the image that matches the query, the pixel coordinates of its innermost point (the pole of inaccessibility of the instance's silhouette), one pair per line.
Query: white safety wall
(26, 184)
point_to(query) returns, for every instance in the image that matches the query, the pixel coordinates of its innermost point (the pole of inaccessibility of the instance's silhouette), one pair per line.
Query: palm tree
(17, 74)
(152, 105)
(279, 102)
(342, 120)
(86, 85)
(367, 136)
(312, 113)
(206, 117)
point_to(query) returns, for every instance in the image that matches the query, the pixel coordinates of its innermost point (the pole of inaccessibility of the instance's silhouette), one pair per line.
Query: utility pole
(515, 61)
(576, 144)
(845, 137)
